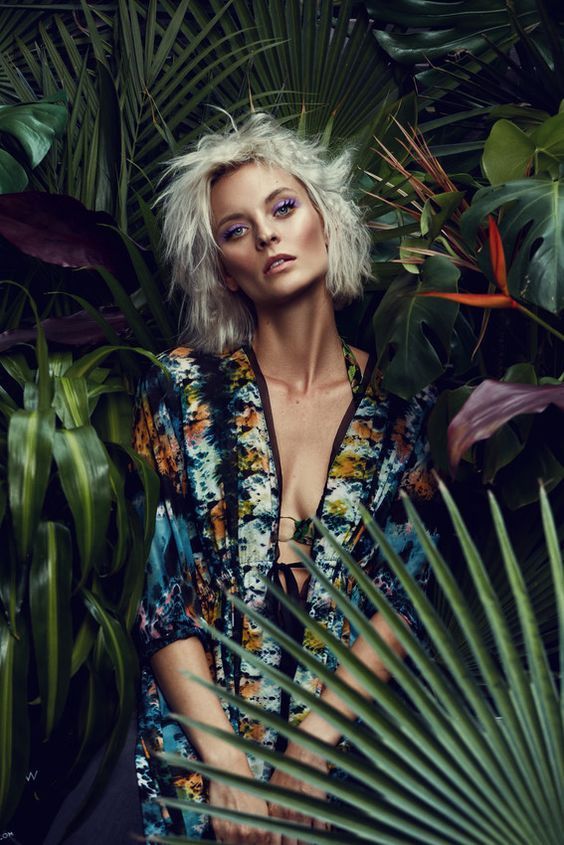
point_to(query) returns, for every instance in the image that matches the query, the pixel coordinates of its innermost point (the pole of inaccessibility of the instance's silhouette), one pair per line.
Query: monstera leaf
(35, 126)
(509, 152)
(412, 332)
(441, 27)
(534, 222)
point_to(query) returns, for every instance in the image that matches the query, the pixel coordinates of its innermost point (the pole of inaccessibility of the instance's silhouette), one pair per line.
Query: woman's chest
(306, 428)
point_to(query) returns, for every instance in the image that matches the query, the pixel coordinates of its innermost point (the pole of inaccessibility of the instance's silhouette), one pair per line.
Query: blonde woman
(266, 419)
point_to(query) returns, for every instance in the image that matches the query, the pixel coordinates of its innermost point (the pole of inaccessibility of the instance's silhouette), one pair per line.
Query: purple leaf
(78, 329)
(490, 406)
(60, 230)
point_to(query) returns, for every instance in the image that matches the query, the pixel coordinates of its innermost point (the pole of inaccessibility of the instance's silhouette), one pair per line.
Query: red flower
(487, 300)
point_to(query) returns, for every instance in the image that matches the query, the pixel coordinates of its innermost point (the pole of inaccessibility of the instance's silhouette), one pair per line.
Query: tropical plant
(486, 59)
(33, 127)
(73, 552)
(463, 749)
(139, 81)
(438, 218)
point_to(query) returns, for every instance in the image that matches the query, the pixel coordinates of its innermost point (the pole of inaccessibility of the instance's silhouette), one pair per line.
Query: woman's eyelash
(280, 209)
(232, 232)
(286, 205)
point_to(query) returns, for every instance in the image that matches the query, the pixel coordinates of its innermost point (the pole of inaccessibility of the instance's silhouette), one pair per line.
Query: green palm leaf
(325, 66)
(461, 758)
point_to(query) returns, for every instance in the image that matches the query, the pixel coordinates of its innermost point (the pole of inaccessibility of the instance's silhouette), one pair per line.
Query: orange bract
(497, 256)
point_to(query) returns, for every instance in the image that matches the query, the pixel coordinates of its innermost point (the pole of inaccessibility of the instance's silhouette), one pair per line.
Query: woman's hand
(287, 781)
(236, 799)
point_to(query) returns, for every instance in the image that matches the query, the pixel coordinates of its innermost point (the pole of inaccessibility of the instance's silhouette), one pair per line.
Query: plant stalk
(541, 322)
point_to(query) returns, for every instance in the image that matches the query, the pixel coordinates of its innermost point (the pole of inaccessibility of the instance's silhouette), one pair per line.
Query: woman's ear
(230, 283)
(228, 280)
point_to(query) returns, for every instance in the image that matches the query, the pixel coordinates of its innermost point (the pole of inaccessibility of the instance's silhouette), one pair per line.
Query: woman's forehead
(254, 173)
(251, 183)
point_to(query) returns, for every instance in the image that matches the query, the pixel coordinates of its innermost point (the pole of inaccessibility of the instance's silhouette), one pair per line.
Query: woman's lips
(277, 263)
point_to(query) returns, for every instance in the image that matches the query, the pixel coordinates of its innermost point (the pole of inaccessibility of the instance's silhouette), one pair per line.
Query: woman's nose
(264, 239)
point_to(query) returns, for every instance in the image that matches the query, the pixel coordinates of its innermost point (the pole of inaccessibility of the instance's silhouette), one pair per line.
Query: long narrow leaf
(119, 648)
(30, 444)
(71, 401)
(50, 593)
(14, 722)
(84, 473)
(89, 362)
(150, 486)
(557, 570)
(124, 303)
(83, 643)
(545, 694)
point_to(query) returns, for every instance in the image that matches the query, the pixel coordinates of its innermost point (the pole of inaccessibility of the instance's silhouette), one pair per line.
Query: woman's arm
(316, 725)
(187, 697)
(168, 635)
(313, 722)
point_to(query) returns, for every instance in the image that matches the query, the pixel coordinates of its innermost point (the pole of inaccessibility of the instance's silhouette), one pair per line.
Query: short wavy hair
(216, 320)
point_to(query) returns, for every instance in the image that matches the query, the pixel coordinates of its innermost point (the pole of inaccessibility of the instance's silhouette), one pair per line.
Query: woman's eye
(285, 207)
(234, 232)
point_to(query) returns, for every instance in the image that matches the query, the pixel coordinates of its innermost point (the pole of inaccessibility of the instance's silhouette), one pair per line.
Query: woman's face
(269, 234)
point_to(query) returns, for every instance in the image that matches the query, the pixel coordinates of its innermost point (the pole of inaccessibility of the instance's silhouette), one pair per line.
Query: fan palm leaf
(327, 72)
(122, 77)
(445, 754)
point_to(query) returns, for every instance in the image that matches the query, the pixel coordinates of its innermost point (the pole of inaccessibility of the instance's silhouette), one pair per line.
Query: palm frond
(450, 753)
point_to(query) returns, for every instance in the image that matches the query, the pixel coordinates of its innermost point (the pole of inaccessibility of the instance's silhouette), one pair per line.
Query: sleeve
(418, 481)
(168, 610)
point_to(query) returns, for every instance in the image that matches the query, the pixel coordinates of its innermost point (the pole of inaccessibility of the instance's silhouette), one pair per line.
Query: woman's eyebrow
(275, 193)
(237, 214)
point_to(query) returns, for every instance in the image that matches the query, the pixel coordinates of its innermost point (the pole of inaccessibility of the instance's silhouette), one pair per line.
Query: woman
(268, 419)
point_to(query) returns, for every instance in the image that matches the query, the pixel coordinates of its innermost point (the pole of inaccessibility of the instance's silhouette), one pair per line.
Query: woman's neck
(298, 344)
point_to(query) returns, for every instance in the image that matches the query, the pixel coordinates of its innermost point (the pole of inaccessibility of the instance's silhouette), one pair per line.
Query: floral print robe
(207, 431)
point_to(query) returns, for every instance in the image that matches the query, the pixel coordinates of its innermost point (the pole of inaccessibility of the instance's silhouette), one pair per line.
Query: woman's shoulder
(408, 413)
(189, 354)
(184, 365)
(361, 357)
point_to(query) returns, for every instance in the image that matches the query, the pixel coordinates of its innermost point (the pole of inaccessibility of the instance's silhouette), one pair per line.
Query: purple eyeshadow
(229, 232)
(286, 203)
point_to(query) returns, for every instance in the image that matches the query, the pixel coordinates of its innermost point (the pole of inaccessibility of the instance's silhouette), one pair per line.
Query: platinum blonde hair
(216, 320)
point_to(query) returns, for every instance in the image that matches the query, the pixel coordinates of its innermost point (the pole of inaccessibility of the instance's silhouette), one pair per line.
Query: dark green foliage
(467, 747)
(135, 83)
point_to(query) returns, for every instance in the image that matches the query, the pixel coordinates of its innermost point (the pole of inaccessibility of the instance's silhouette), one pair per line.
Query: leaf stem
(540, 321)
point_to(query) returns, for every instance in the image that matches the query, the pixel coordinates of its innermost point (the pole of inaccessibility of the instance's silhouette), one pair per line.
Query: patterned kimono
(207, 430)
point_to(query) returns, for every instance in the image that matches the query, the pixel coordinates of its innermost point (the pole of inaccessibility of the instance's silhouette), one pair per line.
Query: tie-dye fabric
(205, 430)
